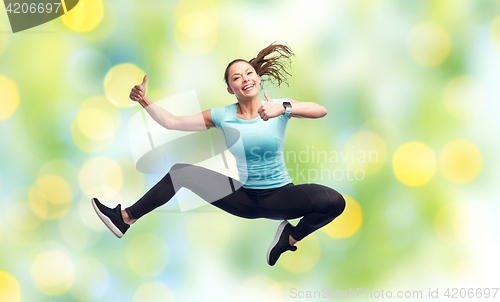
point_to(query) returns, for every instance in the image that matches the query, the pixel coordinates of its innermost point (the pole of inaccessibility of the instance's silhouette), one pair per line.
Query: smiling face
(242, 80)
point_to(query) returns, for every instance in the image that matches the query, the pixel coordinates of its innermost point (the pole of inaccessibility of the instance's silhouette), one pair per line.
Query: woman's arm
(306, 109)
(299, 109)
(198, 122)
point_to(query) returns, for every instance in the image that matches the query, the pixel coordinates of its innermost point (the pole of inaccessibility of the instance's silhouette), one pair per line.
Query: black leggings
(318, 204)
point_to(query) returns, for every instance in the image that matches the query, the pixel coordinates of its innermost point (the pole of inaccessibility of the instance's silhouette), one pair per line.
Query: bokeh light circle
(95, 125)
(51, 198)
(460, 161)
(304, 258)
(63, 168)
(147, 255)
(10, 291)
(366, 151)
(153, 292)
(52, 195)
(348, 223)
(85, 17)
(414, 163)
(54, 189)
(10, 97)
(464, 97)
(428, 44)
(196, 24)
(119, 81)
(101, 177)
(91, 280)
(53, 272)
(196, 33)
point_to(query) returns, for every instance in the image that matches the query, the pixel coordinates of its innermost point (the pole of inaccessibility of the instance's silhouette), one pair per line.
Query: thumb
(144, 80)
(267, 97)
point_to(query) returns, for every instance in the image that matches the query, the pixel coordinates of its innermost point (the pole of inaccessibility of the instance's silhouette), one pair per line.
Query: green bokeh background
(356, 58)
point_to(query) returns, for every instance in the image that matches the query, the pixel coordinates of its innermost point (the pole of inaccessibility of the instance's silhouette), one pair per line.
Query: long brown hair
(273, 67)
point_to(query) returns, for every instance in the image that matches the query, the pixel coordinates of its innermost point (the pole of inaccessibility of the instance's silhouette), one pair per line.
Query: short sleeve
(217, 116)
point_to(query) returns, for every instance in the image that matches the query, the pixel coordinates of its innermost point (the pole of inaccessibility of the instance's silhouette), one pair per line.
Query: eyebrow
(240, 73)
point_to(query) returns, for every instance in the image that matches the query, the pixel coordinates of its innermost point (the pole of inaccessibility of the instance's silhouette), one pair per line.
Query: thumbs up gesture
(270, 109)
(139, 91)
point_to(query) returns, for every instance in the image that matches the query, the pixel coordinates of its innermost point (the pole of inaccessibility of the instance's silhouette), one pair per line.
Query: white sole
(107, 221)
(281, 227)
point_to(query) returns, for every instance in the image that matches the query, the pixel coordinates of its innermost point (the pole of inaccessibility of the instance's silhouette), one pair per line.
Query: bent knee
(179, 173)
(327, 200)
(336, 202)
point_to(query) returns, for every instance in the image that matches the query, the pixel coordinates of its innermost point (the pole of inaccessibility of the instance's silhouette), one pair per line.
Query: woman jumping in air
(265, 189)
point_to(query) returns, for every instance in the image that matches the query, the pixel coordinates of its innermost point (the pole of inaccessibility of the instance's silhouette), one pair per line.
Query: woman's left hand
(270, 109)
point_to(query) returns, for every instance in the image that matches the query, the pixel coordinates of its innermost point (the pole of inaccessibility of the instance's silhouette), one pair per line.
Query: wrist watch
(288, 108)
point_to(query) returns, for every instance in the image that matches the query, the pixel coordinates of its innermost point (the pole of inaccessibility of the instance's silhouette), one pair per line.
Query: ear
(230, 90)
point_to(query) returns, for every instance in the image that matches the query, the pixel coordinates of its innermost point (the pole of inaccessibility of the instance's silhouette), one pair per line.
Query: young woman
(264, 188)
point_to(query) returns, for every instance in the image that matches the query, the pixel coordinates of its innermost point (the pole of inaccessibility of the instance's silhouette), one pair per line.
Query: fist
(139, 91)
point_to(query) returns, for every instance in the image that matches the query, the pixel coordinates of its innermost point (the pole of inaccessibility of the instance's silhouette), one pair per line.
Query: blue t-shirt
(257, 146)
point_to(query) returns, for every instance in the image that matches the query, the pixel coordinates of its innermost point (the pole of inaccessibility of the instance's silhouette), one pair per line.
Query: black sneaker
(112, 218)
(280, 243)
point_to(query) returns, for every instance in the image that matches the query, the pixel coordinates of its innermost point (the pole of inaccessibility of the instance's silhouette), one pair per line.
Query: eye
(250, 72)
(234, 79)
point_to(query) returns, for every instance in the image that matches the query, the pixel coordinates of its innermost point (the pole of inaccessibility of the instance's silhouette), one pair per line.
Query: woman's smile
(244, 78)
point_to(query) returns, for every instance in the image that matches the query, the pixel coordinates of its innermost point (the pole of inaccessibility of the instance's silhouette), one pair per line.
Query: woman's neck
(248, 108)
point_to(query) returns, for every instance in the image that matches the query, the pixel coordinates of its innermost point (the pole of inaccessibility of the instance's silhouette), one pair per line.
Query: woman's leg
(220, 190)
(326, 209)
(318, 205)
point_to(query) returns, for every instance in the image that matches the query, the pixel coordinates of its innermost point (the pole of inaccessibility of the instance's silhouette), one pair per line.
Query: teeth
(248, 86)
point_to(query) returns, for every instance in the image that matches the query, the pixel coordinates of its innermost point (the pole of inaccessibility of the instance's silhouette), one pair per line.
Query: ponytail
(269, 63)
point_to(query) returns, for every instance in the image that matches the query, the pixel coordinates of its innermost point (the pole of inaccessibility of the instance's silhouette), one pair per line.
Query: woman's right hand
(139, 91)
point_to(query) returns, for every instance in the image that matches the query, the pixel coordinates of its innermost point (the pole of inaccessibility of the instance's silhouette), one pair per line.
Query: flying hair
(271, 62)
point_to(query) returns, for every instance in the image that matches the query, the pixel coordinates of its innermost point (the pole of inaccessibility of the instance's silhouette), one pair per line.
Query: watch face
(287, 104)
